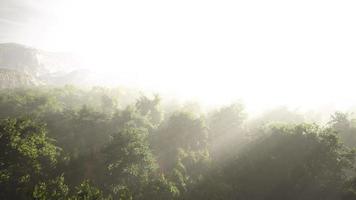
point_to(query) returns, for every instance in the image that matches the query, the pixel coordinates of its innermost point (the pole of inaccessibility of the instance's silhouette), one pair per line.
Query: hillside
(21, 58)
(13, 78)
(26, 66)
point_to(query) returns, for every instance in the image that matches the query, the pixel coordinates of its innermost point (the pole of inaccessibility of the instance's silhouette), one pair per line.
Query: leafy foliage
(98, 144)
(26, 155)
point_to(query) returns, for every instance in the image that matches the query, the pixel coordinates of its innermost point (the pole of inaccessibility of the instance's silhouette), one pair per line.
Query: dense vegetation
(67, 143)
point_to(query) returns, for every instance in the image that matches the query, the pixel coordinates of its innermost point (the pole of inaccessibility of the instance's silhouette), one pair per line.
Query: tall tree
(26, 156)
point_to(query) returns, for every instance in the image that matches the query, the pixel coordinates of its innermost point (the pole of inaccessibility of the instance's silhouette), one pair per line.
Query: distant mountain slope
(21, 58)
(35, 61)
(26, 66)
(13, 79)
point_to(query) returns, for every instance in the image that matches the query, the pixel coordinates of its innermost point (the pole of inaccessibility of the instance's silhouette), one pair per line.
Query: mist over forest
(63, 136)
(177, 100)
(110, 143)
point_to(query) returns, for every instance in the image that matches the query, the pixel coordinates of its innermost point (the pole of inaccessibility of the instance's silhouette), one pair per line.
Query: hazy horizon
(299, 54)
(177, 100)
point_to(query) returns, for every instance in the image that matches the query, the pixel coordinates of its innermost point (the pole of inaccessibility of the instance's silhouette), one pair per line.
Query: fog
(142, 100)
(265, 53)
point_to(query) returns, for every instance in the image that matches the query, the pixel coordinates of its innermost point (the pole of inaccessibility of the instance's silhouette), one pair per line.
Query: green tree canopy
(25, 157)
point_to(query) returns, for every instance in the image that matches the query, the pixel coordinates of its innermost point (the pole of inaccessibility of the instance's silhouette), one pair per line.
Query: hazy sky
(265, 52)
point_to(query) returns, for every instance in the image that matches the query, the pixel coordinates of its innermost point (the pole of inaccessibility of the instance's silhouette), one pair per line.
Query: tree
(129, 163)
(180, 145)
(160, 188)
(151, 109)
(181, 131)
(57, 189)
(226, 133)
(345, 127)
(129, 117)
(85, 191)
(291, 162)
(52, 189)
(25, 157)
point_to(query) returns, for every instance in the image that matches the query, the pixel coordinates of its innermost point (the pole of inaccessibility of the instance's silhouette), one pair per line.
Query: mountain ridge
(23, 65)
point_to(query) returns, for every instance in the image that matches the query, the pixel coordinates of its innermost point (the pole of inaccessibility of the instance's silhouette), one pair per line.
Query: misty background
(173, 100)
(263, 53)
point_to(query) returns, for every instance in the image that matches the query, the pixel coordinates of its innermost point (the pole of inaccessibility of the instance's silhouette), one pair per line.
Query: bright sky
(264, 52)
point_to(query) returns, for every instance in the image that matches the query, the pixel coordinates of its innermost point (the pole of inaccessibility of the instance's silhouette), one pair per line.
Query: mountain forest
(177, 100)
(101, 143)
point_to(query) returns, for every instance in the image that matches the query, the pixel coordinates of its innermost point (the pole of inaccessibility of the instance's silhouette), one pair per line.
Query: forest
(105, 143)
